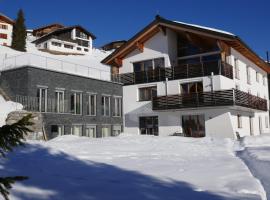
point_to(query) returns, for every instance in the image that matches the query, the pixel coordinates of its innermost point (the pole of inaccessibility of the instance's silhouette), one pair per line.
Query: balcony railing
(209, 99)
(178, 72)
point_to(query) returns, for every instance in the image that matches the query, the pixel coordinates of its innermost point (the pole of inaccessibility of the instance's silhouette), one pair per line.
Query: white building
(73, 39)
(6, 27)
(216, 85)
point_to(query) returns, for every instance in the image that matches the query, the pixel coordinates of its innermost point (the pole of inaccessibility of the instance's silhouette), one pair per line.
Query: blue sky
(120, 19)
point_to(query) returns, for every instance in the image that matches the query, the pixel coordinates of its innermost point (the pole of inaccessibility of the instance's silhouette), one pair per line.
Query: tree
(10, 137)
(19, 33)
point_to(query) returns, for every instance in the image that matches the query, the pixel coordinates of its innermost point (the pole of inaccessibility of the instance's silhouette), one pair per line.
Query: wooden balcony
(231, 97)
(179, 72)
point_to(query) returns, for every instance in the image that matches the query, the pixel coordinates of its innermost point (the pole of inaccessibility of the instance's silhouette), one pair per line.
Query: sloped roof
(154, 27)
(62, 30)
(6, 19)
(48, 26)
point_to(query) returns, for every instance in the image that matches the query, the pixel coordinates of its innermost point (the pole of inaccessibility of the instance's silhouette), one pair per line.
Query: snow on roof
(206, 28)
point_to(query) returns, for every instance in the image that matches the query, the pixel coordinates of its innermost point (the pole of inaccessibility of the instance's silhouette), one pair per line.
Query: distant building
(6, 28)
(72, 39)
(113, 45)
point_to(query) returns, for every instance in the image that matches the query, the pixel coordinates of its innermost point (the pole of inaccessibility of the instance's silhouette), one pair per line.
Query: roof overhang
(6, 19)
(159, 24)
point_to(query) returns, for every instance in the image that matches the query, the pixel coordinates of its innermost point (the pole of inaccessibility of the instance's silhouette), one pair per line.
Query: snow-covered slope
(82, 64)
(131, 168)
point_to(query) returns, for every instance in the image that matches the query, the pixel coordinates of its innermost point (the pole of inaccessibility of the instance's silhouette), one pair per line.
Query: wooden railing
(177, 72)
(209, 99)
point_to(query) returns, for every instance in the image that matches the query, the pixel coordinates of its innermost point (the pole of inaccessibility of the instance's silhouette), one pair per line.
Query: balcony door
(189, 93)
(148, 125)
(193, 125)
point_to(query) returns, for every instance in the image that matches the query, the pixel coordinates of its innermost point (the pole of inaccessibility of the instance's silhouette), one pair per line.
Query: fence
(29, 59)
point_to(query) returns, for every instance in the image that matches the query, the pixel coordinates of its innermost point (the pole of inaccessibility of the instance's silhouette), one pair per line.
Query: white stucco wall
(219, 122)
(7, 31)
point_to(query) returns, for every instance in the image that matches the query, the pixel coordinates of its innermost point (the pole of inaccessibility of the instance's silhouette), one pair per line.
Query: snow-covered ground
(255, 151)
(131, 168)
(85, 65)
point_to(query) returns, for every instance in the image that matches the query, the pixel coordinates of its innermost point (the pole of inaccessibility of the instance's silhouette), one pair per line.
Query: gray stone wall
(26, 80)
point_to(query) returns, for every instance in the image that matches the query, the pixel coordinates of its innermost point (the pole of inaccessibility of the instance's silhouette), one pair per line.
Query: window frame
(236, 69)
(239, 121)
(146, 89)
(248, 75)
(57, 100)
(117, 107)
(89, 103)
(104, 108)
(87, 126)
(76, 93)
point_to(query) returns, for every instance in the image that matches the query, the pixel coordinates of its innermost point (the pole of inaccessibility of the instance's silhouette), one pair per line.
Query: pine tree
(19, 33)
(10, 137)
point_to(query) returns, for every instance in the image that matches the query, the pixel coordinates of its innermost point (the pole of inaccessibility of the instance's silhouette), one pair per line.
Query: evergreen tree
(19, 33)
(10, 137)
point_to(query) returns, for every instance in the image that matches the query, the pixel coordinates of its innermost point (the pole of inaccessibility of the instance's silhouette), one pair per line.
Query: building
(6, 28)
(39, 32)
(113, 45)
(72, 39)
(185, 79)
(68, 103)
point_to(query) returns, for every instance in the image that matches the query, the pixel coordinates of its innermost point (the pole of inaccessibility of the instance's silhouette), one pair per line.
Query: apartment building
(6, 27)
(57, 38)
(190, 80)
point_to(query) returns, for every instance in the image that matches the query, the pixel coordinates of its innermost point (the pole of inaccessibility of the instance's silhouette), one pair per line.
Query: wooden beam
(118, 61)
(163, 30)
(139, 46)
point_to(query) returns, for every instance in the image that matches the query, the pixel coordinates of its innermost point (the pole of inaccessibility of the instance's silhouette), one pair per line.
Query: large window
(149, 64)
(187, 88)
(91, 104)
(81, 34)
(67, 46)
(76, 103)
(57, 130)
(106, 130)
(105, 103)
(147, 93)
(148, 125)
(42, 99)
(76, 130)
(59, 101)
(116, 130)
(82, 43)
(117, 107)
(193, 125)
(90, 131)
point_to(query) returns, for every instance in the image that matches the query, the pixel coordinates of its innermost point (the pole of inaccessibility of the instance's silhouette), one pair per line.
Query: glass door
(193, 125)
(148, 125)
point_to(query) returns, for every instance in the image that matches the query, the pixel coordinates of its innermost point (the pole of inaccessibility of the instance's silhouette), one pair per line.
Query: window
(148, 64)
(187, 88)
(105, 103)
(266, 122)
(264, 80)
(42, 99)
(117, 107)
(82, 43)
(116, 130)
(3, 26)
(3, 36)
(81, 34)
(91, 104)
(147, 93)
(239, 121)
(57, 130)
(258, 77)
(76, 103)
(106, 130)
(90, 131)
(68, 46)
(236, 68)
(59, 101)
(79, 48)
(76, 130)
(248, 75)
(56, 44)
(148, 125)
(86, 50)
(251, 128)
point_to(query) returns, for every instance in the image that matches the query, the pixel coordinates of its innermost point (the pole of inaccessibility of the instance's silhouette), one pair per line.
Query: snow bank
(132, 167)
(7, 107)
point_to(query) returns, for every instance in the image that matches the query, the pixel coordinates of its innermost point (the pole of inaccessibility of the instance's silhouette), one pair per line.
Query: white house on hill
(6, 28)
(185, 79)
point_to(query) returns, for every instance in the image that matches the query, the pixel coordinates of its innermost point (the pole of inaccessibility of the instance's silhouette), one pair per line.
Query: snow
(7, 107)
(131, 167)
(255, 152)
(207, 28)
(85, 65)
